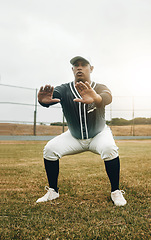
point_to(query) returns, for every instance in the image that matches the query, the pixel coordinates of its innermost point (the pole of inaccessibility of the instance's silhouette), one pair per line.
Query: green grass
(84, 209)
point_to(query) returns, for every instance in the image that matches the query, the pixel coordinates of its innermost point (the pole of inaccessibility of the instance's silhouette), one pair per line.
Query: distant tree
(58, 124)
(114, 122)
(41, 123)
(119, 121)
(122, 121)
(142, 120)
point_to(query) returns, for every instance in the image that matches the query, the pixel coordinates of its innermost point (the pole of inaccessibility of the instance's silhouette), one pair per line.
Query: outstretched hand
(87, 93)
(45, 95)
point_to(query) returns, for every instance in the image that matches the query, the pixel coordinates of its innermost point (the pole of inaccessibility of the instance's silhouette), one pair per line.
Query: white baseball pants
(65, 144)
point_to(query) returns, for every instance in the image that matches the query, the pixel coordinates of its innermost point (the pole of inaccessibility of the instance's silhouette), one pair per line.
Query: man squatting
(83, 102)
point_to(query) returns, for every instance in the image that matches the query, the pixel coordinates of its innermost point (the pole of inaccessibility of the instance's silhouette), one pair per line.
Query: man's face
(82, 70)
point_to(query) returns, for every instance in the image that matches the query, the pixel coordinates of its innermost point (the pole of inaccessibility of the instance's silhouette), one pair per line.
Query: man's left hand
(87, 93)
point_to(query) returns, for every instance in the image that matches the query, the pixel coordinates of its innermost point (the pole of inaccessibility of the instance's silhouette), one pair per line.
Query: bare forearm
(98, 100)
(106, 98)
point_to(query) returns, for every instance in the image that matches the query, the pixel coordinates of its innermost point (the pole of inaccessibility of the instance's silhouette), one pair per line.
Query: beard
(80, 79)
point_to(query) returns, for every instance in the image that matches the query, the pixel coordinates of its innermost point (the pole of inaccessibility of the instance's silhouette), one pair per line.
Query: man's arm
(45, 96)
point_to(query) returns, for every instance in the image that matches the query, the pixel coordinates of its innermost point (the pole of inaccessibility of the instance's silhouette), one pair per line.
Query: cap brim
(73, 60)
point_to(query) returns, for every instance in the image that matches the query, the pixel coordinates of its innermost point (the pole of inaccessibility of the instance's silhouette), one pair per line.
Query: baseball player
(83, 102)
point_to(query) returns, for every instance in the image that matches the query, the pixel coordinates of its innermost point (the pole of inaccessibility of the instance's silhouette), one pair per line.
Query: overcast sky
(39, 37)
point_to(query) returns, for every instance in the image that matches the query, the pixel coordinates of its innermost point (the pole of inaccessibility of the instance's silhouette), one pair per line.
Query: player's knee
(109, 152)
(50, 152)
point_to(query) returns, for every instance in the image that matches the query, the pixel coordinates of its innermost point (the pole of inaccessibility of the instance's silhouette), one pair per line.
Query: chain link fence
(19, 105)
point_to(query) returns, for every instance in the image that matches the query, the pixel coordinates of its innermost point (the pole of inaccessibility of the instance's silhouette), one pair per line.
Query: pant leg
(64, 144)
(104, 144)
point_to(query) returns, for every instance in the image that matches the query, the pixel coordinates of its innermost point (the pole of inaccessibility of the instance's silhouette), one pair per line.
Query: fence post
(110, 111)
(35, 113)
(133, 129)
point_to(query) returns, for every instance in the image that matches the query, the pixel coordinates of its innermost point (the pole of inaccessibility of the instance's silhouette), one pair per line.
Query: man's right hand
(45, 95)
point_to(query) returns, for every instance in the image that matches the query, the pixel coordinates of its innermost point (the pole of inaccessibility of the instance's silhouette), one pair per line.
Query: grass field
(84, 209)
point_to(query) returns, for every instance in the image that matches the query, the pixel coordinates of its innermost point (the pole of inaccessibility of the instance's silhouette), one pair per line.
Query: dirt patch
(136, 130)
(44, 130)
(12, 129)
